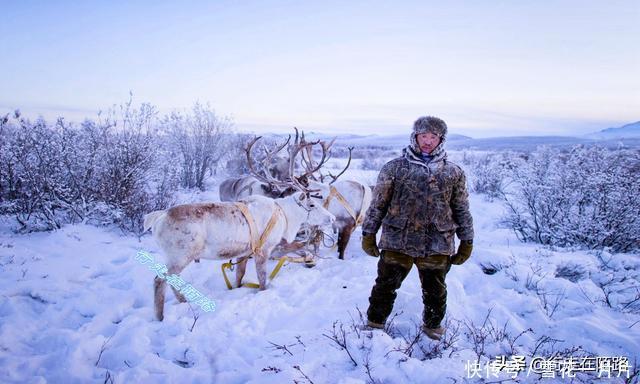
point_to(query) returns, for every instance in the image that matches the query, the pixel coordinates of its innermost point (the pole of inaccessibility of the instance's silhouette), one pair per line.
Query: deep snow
(76, 307)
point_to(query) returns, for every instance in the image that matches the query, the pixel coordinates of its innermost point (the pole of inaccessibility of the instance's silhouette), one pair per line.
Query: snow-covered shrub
(487, 172)
(373, 161)
(571, 271)
(587, 196)
(200, 139)
(33, 185)
(109, 171)
(133, 176)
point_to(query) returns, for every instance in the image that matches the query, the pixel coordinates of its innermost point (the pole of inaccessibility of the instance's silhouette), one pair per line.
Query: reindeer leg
(241, 268)
(176, 270)
(316, 240)
(261, 269)
(344, 235)
(159, 285)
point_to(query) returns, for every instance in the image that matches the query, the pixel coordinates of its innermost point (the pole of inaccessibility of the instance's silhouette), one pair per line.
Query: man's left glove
(464, 252)
(369, 245)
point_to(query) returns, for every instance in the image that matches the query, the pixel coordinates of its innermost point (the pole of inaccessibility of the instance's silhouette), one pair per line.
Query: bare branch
(297, 368)
(339, 336)
(283, 347)
(102, 349)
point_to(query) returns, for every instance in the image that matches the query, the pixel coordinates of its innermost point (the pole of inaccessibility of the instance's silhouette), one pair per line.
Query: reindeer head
(302, 157)
(317, 215)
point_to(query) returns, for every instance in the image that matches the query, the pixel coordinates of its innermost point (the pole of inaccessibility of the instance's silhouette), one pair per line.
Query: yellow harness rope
(333, 192)
(272, 275)
(256, 243)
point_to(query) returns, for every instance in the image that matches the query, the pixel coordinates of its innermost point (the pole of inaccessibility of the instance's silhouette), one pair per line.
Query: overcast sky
(487, 68)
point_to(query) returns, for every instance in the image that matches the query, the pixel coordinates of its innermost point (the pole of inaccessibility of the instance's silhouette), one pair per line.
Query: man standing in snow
(420, 200)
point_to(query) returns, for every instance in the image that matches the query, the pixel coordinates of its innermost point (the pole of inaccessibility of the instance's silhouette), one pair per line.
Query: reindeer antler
(334, 178)
(302, 147)
(263, 174)
(313, 168)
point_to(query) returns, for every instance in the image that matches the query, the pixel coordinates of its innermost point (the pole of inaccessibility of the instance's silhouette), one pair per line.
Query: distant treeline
(130, 161)
(111, 170)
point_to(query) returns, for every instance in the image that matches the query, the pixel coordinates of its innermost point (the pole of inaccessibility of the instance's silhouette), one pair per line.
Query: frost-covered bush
(587, 196)
(109, 171)
(373, 160)
(136, 174)
(200, 139)
(32, 182)
(487, 172)
(571, 271)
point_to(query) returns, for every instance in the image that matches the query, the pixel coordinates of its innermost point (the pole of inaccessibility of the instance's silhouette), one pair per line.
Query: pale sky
(488, 68)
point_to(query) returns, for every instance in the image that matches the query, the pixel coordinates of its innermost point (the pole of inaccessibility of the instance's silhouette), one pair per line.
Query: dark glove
(464, 252)
(369, 245)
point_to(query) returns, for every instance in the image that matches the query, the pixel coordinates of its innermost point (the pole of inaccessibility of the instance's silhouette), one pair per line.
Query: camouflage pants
(393, 268)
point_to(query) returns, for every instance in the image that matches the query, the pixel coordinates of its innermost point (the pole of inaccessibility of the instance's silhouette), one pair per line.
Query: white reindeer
(192, 232)
(348, 201)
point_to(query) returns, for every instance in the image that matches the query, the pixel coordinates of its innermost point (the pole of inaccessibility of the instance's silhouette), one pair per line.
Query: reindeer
(238, 188)
(224, 230)
(348, 200)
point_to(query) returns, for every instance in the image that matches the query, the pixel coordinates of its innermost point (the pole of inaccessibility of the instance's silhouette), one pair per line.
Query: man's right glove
(369, 245)
(464, 252)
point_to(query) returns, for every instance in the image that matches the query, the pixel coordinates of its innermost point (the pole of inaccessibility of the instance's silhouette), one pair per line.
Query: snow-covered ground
(76, 307)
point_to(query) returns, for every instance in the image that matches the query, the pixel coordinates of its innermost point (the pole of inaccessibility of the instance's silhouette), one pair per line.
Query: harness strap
(270, 224)
(333, 192)
(286, 221)
(272, 275)
(255, 242)
(258, 242)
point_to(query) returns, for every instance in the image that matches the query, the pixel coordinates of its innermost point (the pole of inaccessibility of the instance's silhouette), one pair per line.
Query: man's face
(427, 141)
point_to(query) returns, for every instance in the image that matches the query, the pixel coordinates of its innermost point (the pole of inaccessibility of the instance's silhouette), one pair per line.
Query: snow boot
(433, 333)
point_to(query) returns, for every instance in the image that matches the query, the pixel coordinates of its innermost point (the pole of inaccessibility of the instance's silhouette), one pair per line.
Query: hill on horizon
(631, 130)
(627, 136)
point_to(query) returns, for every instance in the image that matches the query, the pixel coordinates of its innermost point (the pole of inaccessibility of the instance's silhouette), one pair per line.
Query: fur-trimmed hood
(430, 124)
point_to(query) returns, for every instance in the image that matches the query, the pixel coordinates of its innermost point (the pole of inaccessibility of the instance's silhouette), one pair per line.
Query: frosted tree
(201, 140)
(488, 172)
(109, 171)
(584, 197)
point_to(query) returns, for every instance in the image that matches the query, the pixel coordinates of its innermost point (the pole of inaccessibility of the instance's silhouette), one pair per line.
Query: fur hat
(428, 124)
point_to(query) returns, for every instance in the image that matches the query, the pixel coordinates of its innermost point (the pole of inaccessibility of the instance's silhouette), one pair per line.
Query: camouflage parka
(420, 205)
